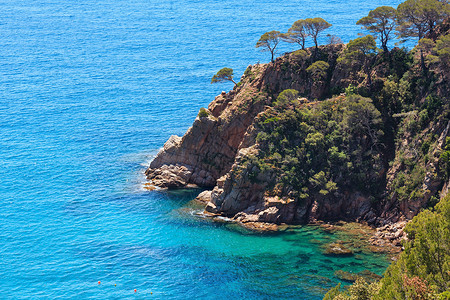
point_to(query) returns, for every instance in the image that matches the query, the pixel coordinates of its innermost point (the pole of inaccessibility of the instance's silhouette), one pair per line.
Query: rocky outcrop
(431, 183)
(209, 148)
(245, 200)
(216, 153)
(392, 232)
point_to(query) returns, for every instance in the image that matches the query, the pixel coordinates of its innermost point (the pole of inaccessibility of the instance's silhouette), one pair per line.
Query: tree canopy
(224, 74)
(269, 41)
(310, 147)
(360, 51)
(419, 17)
(380, 21)
(442, 50)
(315, 26)
(286, 97)
(296, 34)
(416, 18)
(318, 70)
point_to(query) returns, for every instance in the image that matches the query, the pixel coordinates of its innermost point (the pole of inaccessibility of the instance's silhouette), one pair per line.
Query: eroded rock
(337, 249)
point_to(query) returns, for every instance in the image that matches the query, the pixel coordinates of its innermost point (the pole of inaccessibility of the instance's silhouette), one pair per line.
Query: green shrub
(286, 97)
(203, 113)
(318, 70)
(351, 90)
(320, 150)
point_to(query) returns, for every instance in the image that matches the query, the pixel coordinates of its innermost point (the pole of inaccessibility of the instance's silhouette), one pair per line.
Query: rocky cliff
(377, 160)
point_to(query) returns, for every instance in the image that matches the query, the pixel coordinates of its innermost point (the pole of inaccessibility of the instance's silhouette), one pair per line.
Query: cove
(89, 92)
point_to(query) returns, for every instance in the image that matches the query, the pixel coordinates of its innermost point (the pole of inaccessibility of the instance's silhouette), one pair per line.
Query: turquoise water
(89, 90)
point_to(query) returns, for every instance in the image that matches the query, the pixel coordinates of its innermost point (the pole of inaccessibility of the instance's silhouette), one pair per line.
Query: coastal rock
(260, 226)
(352, 277)
(209, 148)
(337, 249)
(220, 152)
(388, 238)
(204, 197)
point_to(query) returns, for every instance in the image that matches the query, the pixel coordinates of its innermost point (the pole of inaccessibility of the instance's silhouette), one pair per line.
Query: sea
(89, 93)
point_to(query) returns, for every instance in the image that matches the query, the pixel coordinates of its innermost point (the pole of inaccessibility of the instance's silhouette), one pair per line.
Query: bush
(324, 149)
(318, 70)
(203, 113)
(286, 97)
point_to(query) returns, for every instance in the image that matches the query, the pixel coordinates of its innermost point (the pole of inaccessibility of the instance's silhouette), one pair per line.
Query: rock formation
(213, 152)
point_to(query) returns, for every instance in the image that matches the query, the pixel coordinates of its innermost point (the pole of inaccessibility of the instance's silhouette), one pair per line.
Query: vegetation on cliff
(333, 132)
(393, 152)
(224, 74)
(336, 132)
(320, 150)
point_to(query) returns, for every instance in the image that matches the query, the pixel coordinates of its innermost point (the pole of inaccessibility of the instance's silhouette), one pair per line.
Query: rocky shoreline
(386, 239)
(217, 153)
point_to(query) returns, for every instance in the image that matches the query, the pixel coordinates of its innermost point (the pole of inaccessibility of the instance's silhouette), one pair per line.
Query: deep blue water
(89, 91)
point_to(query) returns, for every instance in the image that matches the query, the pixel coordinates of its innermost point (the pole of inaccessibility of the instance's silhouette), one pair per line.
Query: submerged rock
(369, 276)
(337, 249)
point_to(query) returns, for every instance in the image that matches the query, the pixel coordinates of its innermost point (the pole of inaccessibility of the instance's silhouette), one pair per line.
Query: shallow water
(89, 91)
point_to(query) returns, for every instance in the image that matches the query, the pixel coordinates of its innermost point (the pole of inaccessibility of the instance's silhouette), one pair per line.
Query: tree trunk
(422, 63)
(315, 49)
(369, 79)
(369, 76)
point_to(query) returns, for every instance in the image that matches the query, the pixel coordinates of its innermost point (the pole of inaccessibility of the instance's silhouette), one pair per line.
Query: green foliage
(286, 97)
(444, 296)
(444, 159)
(359, 53)
(408, 184)
(333, 293)
(425, 44)
(416, 18)
(439, 53)
(380, 21)
(442, 49)
(360, 290)
(314, 27)
(401, 61)
(296, 34)
(301, 54)
(351, 90)
(361, 48)
(269, 42)
(203, 113)
(318, 151)
(422, 271)
(224, 74)
(318, 70)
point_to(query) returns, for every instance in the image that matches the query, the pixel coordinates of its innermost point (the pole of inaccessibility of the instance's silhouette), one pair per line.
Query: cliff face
(270, 182)
(208, 149)
(234, 148)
